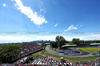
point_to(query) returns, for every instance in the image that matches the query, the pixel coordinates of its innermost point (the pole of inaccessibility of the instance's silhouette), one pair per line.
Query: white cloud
(5, 39)
(55, 25)
(37, 19)
(70, 38)
(73, 27)
(24, 38)
(86, 37)
(45, 37)
(92, 37)
(4, 5)
(42, 10)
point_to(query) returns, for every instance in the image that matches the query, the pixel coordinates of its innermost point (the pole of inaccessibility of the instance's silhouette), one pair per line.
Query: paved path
(62, 54)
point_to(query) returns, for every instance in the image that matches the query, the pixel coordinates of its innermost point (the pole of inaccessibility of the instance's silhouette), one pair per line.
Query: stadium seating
(28, 48)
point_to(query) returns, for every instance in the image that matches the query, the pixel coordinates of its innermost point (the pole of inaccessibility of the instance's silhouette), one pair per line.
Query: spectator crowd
(23, 60)
(28, 48)
(52, 61)
(49, 61)
(44, 60)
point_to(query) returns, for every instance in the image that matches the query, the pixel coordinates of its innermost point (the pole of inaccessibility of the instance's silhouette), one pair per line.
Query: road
(62, 54)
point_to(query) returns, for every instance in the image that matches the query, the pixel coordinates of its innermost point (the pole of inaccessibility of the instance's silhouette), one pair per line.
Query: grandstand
(52, 61)
(28, 49)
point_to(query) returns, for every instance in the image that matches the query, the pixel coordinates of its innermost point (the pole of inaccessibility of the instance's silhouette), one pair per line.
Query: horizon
(24, 21)
(41, 40)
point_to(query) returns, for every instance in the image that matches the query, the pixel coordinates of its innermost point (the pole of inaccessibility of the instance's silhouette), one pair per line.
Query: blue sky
(69, 18)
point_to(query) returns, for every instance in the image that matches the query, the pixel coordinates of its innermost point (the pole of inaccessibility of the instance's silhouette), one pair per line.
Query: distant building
(68, 46)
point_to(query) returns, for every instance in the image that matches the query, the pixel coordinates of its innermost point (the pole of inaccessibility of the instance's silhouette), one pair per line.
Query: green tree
(53, 44)
(60, 41)
(70, 43)
(76, 41)
(8, 53)
(43, 44)
(82, 42)
(66, 41)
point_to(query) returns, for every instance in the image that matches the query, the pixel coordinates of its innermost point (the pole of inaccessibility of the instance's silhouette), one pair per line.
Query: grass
(37, 54)
(90, 49)
(51, 48)
(72, 58)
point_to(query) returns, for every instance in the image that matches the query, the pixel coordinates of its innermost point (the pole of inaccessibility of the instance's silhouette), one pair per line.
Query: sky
(29, 20)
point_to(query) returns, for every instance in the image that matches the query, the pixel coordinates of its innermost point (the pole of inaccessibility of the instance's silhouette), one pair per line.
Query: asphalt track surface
(83, 54)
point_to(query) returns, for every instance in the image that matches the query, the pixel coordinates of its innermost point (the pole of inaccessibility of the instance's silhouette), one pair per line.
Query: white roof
(95, 44)
(68, 45)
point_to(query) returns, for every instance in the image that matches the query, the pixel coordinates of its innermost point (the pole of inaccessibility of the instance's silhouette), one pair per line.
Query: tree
(82, 42)
(66, 41)
(76, 41)
(8, 53)
(60, 41)
(53, 44)
(43, 44)
(70, 43)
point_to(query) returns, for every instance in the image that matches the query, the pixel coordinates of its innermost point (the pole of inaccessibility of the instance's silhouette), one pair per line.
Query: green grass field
(37, 54)
(90, 49)
(50, 48)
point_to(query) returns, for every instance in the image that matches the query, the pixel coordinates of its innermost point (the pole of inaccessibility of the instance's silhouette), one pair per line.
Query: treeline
(60, 40)
(8, 53)
(93, 41)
